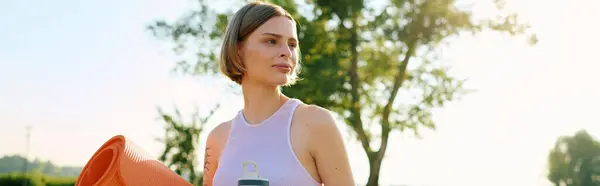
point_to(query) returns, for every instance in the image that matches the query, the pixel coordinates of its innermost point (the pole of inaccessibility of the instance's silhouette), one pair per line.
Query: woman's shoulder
(220, 133)
(324, 138)
(316, 118)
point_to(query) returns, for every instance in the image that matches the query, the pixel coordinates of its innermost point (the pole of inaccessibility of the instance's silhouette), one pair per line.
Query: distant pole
(25, 164)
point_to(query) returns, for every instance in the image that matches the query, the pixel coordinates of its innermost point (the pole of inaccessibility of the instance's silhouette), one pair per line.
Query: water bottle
(251, 178)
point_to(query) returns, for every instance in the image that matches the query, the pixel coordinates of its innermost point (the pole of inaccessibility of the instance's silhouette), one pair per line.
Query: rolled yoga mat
(120, 162)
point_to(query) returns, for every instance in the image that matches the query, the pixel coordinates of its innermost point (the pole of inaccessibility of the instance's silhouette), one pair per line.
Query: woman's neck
(260, 102)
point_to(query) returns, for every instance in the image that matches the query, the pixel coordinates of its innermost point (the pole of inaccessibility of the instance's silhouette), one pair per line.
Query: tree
(375, 67)
(575, 161)
(180, 141)
(374, 49)
(14, 164)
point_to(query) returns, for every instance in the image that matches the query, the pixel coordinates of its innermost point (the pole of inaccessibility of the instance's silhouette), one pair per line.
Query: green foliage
(181, 139)
(35, 179)
(575, 161)
(191, 29)
(368, 64)
(15, 163)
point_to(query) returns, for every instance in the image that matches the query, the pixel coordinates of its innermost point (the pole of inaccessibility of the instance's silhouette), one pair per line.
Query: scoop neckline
(243, 117)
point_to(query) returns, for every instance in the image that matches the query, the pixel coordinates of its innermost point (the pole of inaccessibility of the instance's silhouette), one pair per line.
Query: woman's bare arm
(328, 149)
(214, 145)
(210, 162)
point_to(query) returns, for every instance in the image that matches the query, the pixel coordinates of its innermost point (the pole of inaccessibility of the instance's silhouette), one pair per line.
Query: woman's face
(269, 53)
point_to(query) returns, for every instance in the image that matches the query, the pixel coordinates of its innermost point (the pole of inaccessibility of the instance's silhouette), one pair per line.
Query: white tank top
(267, 144)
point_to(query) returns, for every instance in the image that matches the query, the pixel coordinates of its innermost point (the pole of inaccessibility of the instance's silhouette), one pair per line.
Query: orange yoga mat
(120, 162)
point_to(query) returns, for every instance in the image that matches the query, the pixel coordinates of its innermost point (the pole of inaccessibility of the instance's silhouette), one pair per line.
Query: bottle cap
(251, 177)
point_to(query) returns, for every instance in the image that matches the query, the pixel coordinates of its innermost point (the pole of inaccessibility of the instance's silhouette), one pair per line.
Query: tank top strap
(238, 120)
(290, 109)
(291, 105)
(283, 117)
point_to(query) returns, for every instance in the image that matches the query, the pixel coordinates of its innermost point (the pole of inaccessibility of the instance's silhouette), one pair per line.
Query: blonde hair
(241, 25)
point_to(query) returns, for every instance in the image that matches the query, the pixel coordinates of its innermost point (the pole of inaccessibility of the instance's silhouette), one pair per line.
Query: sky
(80, 72)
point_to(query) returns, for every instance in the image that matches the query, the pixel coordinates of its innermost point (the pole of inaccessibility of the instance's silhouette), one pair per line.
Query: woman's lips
(285, 68)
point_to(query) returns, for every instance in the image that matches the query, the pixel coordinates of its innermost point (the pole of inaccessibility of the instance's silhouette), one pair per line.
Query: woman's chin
(280, 81)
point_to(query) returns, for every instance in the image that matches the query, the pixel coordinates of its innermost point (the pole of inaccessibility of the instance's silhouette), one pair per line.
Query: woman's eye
(271, 41)
(293, 45)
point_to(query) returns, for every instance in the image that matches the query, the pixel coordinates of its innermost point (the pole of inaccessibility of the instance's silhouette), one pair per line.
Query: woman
(291, 142)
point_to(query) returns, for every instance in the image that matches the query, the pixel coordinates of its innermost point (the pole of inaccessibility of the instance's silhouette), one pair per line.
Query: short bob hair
(240, 26)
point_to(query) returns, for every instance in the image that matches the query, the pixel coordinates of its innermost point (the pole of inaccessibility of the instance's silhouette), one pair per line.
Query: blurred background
(455, 92)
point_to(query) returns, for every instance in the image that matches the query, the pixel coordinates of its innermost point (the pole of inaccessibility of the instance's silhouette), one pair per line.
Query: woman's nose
(286, 52)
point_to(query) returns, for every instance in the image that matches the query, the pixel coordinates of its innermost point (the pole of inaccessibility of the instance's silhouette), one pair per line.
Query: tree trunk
(374, 169)
(375, 158)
